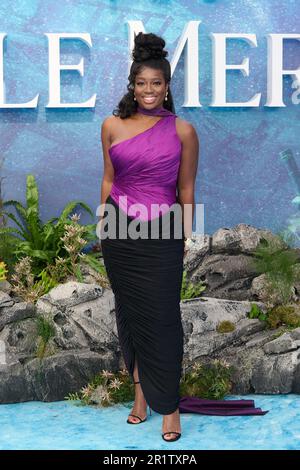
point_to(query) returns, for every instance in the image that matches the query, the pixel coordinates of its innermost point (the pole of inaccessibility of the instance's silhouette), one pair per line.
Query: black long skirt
(146, 276)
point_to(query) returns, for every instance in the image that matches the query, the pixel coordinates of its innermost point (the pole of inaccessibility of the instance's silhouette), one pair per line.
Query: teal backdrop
(242, 175)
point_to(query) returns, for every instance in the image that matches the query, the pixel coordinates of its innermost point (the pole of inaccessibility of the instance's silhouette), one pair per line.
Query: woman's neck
(151, 111)
(158, 111)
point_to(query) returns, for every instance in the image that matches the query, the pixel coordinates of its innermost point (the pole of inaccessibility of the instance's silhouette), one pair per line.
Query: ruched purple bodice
(146, 168)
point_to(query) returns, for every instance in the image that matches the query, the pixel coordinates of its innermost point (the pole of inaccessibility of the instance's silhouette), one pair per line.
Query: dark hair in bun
(148, 46)
(148, 52)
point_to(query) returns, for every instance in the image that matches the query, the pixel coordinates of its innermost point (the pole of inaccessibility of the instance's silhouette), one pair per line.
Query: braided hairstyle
(148, 52)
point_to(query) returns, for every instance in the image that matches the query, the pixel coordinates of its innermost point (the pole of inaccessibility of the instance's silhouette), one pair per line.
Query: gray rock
(90, 324)
(20, 339)
(296, 377)
(223, 262)
(200, 318)
(242, 238)
(199, 247)
(86, 339)
(15, 384)
(245, 348)
(283, 344)
(259, 339)
(259, 290)
(5, 287)
(275, 374)
(53, 378)
(2, 352)
(85, 342)
(16, 312)
(225, 276)
(295, 334)
(72, 293)
(56, 376)
(5, 300)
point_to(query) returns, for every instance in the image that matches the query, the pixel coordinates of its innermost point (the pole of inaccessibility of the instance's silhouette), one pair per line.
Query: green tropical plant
(92, 260)
(212, 381)
(3, 271)
(2, 220)
(23, 283)
(190, 290)
(47, 281)
(279, 262)
(45, 331)
(7, 248)
(100, 274)
(109, 387)
(41, 241)
(278, 316)
(7, 245)
(256, 312)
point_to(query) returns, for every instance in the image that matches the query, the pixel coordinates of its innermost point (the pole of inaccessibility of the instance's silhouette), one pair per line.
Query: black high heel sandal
(135, 416)
(174, 438)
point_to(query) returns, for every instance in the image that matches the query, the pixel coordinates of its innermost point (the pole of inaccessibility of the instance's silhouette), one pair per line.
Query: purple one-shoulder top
(146, 168)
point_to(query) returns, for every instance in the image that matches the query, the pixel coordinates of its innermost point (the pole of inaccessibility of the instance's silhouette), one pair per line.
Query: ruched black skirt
(146, 276)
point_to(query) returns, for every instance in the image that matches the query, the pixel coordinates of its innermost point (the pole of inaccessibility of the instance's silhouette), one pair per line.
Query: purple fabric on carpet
(218, 407)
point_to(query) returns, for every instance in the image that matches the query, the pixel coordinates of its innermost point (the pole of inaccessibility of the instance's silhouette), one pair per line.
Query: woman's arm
(108, 169)
(187, 173)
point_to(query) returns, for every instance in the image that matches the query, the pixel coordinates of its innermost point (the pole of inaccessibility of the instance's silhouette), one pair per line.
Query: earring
(134, 98)
(166, 98)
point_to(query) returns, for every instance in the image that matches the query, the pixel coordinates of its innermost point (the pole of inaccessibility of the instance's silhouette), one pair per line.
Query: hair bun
(148, 46)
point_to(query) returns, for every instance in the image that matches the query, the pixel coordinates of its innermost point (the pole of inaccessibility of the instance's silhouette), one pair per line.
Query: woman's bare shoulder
(109, 127)
(185, 129)
(110, 122)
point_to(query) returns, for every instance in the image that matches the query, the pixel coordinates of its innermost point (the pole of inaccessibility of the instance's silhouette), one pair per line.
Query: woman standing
(149, 153)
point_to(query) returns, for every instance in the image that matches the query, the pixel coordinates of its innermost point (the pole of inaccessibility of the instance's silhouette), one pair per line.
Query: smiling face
(150, 88)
